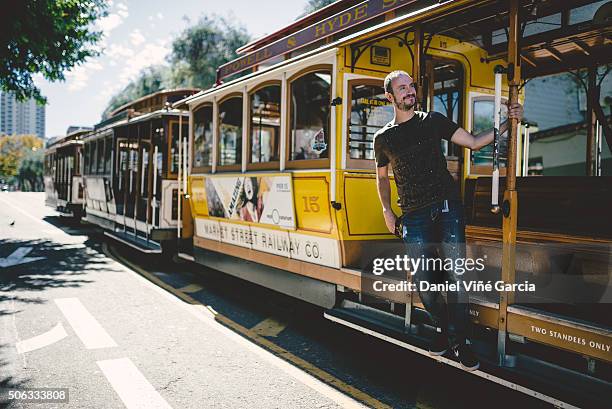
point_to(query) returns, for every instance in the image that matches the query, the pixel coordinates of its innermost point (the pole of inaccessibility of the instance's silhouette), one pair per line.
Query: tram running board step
(140, 244)
(543, 380)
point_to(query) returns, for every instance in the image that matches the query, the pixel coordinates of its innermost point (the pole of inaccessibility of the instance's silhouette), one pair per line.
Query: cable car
(62, 173)
(130, 167)
(281, 184)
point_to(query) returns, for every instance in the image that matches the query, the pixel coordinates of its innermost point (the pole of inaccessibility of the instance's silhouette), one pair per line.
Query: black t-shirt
(414, 150)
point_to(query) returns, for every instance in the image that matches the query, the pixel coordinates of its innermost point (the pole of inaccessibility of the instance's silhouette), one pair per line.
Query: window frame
(323, 163)
(263, 165)
(482, 170)
(351, 163)
(169, 136)
(206, 168)
(217, 133)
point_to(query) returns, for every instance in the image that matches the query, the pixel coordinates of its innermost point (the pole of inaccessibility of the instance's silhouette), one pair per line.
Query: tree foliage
(30, 172)
(196, 54)
(150, 80)
(13, 150)
(46, 37)
(201, 49)
(314, 5)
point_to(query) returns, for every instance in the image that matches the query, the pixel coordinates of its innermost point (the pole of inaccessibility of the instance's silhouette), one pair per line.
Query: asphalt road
(118, 329)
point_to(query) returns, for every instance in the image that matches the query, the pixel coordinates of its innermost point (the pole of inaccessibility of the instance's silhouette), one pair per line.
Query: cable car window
(482, 120)
(94, 155)
(556, 107)
(584, 13)
(174, 148)
(86, 158)
(230, 131)
(101, 159)
(202, 137)
(265, 124)
(107, 155)
(309, 116)
(370, 111)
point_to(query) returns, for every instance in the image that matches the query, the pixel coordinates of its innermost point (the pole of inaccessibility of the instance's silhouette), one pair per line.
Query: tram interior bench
(559, 205)
(564, 227)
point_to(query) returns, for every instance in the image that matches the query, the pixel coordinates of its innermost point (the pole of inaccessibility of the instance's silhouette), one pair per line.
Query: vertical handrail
(215, 130)
(137, 188)
(179, 216)
(245, 130)
(332, 132)
(496, 124)
(598, 147)
(154, 202)
(283, 123)
(510, 203)
(526, 151)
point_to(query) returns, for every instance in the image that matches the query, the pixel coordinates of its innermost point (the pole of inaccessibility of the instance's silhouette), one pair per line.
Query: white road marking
(52, 336)
(207, 316)
(131, 385)
(18, 257)
(84, 324)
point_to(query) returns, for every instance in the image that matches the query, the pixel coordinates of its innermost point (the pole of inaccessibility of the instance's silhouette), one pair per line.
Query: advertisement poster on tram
(259, 199)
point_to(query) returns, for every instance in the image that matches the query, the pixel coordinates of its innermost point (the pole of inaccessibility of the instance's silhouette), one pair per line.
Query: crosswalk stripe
(131, 385)
(87, 328)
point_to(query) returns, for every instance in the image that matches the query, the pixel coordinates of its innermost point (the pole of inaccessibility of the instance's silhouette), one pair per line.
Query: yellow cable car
(281, 186)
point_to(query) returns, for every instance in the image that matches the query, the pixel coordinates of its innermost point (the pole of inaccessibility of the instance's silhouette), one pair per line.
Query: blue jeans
(438, 231)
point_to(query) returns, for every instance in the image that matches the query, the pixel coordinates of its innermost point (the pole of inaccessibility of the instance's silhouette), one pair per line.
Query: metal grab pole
(180, 184)
(499, 70)
(526, 151)
(154, 201)
(185, 157)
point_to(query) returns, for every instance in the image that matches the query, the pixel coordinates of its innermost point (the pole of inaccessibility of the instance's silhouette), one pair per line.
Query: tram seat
(565, 207)
(563, 228)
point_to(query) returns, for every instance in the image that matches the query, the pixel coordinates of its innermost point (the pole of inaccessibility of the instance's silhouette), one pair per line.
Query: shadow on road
(7, 381)
(63, 265)
(70, 225)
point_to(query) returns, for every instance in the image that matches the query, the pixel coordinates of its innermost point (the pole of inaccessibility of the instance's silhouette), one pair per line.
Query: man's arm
(384, 194)
(475, 142)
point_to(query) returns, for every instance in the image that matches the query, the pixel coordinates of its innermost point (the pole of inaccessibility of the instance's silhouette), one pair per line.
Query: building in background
(21, 118)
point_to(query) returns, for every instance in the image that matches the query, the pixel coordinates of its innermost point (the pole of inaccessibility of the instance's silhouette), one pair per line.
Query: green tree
(314, 5)
(196, 54)
(150, 80)
(13, 149)
(201, 49)
(46, 37)
(30, 172)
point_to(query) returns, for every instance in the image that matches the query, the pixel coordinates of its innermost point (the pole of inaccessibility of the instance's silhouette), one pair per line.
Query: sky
(137, 34)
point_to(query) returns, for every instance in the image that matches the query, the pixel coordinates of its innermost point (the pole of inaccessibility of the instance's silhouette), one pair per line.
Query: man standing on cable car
(430, 201)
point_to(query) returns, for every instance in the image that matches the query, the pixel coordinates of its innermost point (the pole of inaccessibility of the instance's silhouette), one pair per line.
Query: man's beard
(405, 106)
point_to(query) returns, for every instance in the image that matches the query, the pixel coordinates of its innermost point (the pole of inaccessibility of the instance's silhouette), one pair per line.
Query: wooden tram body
(130, 171)
(280, 184)
(63, 178)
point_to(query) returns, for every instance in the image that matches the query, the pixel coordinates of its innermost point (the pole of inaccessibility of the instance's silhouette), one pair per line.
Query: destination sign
(339, 22)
